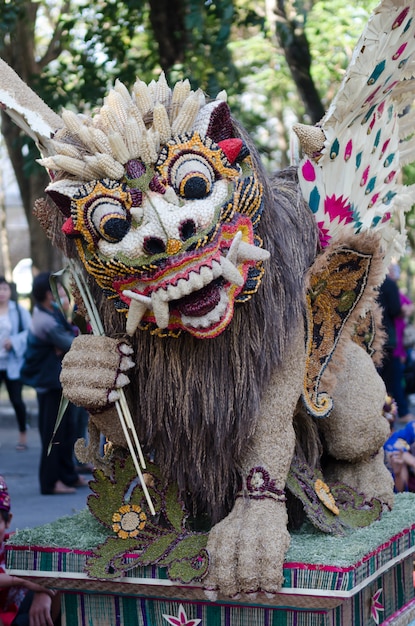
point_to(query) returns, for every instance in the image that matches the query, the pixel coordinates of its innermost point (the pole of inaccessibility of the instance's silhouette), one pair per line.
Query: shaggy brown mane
(195, 401)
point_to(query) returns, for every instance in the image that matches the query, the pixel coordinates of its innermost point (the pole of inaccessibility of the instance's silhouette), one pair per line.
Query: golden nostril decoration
(173, 246)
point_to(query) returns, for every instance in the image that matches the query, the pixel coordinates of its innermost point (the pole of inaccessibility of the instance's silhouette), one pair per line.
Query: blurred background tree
(281, 61)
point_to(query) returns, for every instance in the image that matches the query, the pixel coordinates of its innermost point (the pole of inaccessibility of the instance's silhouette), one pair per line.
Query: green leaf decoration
(353, 509)
(190, 569)
(188, 545)
(108, 559)
(174, 508)
(154, 552)
(63, 405)
(356, 511)
(118, 502)
(109, 493)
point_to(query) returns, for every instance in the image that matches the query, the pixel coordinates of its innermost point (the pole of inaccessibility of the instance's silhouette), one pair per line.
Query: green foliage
(226, 44)
(105, 41)
(332, 28)
(208, 59)
(10, 12)
(408, 264)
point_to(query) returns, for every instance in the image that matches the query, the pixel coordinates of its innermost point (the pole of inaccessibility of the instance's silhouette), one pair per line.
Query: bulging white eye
(192, 176)
(100, 209)
(109, 219)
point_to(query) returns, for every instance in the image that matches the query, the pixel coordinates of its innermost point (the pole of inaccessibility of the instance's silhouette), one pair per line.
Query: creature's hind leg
(356, 430)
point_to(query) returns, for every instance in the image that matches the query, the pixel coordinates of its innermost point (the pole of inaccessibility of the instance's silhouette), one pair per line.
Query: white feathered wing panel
(352, 182)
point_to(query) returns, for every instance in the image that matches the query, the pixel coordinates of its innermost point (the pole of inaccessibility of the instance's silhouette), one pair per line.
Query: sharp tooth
(216, 269)
(233, 250)
(172, 292)
(184, 287)
(196, 281)
(163, 295)
(171, 197)
(135, 315)
(249, 252)
(206, 275)
(139, 297)
(161, 311)
(230, 272)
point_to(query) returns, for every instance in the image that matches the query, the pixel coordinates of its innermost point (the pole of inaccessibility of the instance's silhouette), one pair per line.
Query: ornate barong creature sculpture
(239, 310)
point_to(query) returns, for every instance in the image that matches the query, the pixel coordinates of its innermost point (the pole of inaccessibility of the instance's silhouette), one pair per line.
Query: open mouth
(200, 302)
(196, 297)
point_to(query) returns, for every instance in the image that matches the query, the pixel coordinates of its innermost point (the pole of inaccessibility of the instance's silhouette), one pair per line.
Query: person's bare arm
(6, 581)
(409, 459)
(40, 610)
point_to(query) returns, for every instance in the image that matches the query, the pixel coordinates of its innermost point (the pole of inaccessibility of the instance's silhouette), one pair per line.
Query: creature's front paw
(248, 547)
(93, 370)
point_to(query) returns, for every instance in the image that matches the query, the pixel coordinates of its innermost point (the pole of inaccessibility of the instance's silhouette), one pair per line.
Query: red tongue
(199, 302)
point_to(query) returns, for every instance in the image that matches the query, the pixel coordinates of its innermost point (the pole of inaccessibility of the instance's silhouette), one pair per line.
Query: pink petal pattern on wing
(323, 235)
(308, 171)
(338, 207)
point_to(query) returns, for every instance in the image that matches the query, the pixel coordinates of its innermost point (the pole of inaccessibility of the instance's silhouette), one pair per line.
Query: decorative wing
(341, 288)
(350, 174)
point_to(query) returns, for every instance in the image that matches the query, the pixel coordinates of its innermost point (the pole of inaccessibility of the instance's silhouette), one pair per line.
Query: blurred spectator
(400, 353)
(14, 324)
(50, 337)
(396, 308)
(390, 410)
(399, 458)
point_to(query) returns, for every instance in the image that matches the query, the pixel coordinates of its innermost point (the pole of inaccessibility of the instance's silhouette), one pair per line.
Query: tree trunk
(4, 237)
(292, 39)
(167, 21)
(19, 53)
(31, 186)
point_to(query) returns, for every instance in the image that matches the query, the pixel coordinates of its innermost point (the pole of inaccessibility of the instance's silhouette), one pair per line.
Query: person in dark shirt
(390, 302)
(50, 337)
(392, 370)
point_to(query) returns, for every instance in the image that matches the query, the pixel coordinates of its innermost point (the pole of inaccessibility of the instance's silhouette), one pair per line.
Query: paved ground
(20, 470)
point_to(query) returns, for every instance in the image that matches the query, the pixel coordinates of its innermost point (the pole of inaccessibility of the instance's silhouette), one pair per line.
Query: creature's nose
(156, 245)
(173, 246)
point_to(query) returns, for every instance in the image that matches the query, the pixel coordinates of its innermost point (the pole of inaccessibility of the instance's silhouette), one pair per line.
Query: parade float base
(360, 579)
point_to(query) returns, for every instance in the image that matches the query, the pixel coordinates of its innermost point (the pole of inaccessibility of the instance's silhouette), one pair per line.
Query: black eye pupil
(116, 228)
(195, 187)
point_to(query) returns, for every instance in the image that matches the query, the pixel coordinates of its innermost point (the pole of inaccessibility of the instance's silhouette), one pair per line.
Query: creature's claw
(247, 549)
(94, 370)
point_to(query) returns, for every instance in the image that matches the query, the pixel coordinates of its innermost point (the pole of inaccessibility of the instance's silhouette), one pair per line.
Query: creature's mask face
(170, 236)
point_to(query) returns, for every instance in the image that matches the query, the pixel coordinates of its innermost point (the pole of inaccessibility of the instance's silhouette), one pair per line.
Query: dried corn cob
(161, 122)
(119, 149)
